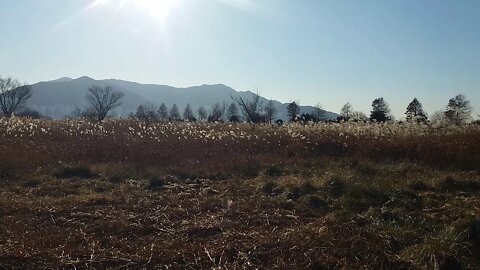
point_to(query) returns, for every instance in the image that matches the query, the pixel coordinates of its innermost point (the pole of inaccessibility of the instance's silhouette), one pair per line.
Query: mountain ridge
(58, 98)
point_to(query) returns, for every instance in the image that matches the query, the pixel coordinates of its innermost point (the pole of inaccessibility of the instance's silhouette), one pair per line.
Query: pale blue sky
(328, 52)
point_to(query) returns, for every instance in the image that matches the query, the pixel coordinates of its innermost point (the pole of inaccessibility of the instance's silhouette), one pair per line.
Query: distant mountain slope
(60, 97)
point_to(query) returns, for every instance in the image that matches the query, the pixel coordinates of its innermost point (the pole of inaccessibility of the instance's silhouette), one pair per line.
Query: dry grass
(125, 195)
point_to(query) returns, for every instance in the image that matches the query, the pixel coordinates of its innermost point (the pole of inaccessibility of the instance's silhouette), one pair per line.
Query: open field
(127, 195)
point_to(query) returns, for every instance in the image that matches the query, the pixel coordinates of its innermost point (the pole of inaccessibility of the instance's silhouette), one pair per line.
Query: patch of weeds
(79, 171)
(335, 187)
(155, 183)
(445, 250)
(31, 183)
(116, 179)
(359, 199)
(404, 199)
(317, 202)
(271, 188)
(366, 169)
(274, 171)
(418, 185)
(450, 184)
(296, 192)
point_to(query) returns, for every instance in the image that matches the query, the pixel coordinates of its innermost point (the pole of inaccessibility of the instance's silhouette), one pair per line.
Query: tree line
(102, 100)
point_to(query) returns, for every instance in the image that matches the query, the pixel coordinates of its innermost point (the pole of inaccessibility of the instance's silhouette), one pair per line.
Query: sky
(312, 51)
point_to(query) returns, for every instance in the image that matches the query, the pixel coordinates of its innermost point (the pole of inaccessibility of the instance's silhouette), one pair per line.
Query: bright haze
(328, 52)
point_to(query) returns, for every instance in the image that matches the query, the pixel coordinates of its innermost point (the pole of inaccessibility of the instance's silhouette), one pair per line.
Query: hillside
(58, 98)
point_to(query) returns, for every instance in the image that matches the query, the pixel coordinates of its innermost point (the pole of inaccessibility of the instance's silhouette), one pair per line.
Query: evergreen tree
(174, 113)
(188, 114)
(415, 112)
(380, 110)
(232, 113)
(293, 110)
(202, 113)
(163, 112)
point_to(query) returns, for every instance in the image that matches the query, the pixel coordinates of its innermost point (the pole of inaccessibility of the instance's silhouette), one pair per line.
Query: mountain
(58, 98)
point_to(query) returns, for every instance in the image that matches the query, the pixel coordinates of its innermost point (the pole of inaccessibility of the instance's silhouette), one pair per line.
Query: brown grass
(405, 201)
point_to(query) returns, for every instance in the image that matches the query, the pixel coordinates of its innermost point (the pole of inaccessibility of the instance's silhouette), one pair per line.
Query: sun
(156, 9)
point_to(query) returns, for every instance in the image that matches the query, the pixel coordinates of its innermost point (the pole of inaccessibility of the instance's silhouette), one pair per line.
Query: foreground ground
(384, 203)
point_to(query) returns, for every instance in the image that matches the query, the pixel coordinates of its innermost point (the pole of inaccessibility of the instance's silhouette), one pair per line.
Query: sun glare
(156, 9)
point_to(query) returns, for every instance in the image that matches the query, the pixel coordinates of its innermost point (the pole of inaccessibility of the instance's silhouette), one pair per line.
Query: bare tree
(346, 112)
(216, 112)
(459, 110)
(438, 118)
(13, 95)
(103, 99)
(250, 108)
(318, 113)
(270, 111)
(146, 113)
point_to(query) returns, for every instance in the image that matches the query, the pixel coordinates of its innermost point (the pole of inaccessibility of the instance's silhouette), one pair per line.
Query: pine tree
(188, 114)
(163, 112)
(415, 112)
(232, 113)
(174, 113)
(293, 110)
(202, 113)
(380, 110)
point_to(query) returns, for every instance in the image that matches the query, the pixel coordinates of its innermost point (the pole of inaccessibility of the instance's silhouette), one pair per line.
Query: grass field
(127, 195)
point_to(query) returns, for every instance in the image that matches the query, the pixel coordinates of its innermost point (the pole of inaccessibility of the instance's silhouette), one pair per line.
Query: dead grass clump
(31, 183)
(450, 184)
(155, 183)
(114, 172)
(336, 187)
(274, 171)
(418, 185)
(317, 202)
(76, 171)
(296, 192)
(269, 187)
